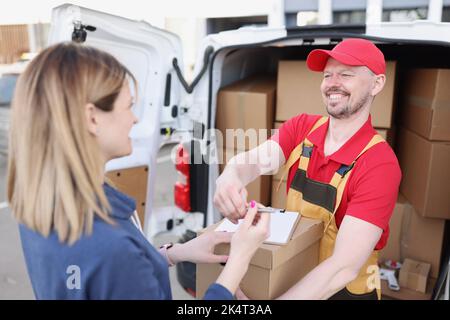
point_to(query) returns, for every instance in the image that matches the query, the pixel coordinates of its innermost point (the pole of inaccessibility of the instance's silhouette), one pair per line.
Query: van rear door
(148, 52)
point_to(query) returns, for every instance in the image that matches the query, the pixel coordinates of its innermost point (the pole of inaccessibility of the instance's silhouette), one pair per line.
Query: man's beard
(348, 110)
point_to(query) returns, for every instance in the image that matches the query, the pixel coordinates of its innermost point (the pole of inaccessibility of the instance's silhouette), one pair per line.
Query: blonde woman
(71, 114)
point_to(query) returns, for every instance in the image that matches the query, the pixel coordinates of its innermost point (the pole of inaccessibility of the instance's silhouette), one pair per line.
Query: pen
(267, 209)
(270, 210)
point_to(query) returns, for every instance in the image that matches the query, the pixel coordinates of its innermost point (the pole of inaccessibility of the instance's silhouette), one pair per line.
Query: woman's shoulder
(101, 243)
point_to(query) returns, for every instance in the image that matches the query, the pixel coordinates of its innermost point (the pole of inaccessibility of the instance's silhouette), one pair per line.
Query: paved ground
(14, 282)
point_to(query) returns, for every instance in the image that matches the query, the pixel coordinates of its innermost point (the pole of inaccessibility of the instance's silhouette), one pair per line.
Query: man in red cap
(339, 170)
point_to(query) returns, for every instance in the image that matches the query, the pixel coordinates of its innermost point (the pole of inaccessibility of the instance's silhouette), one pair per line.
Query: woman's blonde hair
(55, 170)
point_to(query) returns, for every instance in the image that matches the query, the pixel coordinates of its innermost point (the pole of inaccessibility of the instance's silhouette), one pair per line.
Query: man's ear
(91, 118)
(378, 84)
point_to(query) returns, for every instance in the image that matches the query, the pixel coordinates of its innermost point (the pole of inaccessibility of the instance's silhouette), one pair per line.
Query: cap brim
(317, 59)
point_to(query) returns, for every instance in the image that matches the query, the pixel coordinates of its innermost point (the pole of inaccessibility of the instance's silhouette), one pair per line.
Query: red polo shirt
(372, 188)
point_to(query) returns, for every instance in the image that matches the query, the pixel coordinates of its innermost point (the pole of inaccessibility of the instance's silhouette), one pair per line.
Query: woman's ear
(91, 118)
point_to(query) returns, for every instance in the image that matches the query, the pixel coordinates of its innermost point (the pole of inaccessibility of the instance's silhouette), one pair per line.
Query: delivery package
(425, 173)
(298, 91)
(274, 268)
(133, 182)
(414, 237)
(425, 100)
(414, 275)
(245, 112)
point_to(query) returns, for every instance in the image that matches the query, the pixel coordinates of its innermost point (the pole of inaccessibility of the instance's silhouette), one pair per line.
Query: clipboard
(282, 226)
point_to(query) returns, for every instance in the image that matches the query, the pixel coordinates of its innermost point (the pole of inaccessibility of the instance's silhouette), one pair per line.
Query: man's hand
(231, 196)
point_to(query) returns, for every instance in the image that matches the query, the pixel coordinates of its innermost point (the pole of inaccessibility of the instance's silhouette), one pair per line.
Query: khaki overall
(320, 201)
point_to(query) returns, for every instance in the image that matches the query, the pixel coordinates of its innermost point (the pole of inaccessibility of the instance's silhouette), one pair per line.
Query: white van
(170, 110)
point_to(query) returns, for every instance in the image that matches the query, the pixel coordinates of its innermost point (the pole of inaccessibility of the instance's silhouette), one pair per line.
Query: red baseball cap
(352, 52)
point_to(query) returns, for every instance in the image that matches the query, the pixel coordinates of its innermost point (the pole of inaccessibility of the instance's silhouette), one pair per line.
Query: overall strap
(341, 176)
(304, 148)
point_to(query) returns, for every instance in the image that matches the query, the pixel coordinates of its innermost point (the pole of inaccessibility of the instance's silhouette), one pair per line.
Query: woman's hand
(250, 234)
(253, 230)
(200, 249)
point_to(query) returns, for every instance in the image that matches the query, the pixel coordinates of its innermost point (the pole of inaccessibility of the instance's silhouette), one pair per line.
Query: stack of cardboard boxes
(246, 109)
(423, 151)
(422, 147)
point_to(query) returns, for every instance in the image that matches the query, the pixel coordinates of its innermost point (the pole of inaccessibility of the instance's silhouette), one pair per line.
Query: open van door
(149, 53)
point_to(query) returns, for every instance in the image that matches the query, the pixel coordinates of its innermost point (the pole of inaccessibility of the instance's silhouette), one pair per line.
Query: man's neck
(341, 130)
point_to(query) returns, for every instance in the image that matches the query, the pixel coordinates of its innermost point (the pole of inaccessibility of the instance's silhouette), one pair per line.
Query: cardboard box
(298, 91)
(412, 236)
(132, 182)
(259, 189)
(405, 293)
(414, 275)
(426, 103)
(425, 174)
(278, 199)
(273, 269)
(248, 104)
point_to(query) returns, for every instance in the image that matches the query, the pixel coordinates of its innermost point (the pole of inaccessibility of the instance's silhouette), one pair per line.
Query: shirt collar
(351, 149)
(122, 206)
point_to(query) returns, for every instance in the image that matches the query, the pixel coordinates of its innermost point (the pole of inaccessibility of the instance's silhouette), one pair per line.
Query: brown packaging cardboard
(248, 105)
(426, 174)
(132, 182)
(412, 236)
(426, 103)
(414, 275)
(274, 268)
(298, 91)
(405, 293)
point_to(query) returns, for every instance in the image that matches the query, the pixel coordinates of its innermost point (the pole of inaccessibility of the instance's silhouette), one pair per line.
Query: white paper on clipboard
(282, 225)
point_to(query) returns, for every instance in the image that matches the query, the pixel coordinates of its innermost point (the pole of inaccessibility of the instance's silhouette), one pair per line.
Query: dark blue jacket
(114, 262)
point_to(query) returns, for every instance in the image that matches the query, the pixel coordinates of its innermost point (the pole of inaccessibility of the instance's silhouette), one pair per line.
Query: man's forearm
(322, 282)
(242, 169)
